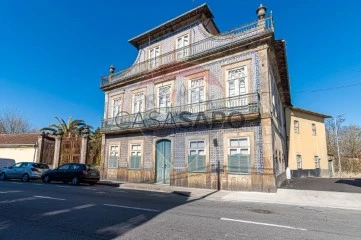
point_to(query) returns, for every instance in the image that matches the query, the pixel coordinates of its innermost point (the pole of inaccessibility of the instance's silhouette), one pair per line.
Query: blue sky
(52, 53)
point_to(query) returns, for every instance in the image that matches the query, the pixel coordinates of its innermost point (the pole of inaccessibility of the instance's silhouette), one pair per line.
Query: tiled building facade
(199, 108)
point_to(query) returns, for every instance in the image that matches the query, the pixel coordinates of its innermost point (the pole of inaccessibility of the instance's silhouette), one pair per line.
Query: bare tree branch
(11, 121)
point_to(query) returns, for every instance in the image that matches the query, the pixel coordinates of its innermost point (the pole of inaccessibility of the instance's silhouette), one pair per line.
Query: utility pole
(338, 146)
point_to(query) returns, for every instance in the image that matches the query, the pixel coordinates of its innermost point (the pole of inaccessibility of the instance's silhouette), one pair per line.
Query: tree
(95, 141)
(72, 128)
(351, 141)
(12, 122)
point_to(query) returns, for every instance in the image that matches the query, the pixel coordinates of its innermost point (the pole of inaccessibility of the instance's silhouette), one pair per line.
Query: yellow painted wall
(19, 154)
(304, 143)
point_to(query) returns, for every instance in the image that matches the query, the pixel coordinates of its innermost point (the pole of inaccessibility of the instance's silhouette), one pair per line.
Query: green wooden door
(163, 156)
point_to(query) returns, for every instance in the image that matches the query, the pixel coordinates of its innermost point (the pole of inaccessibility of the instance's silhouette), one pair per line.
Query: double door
(163, 161)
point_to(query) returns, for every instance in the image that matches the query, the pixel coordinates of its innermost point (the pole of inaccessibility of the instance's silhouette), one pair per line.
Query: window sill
(238, 173)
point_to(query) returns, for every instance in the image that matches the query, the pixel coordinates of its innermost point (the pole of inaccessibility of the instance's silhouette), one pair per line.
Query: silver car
(24, 171)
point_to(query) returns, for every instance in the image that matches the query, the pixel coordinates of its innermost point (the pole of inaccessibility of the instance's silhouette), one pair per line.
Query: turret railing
(206, 46)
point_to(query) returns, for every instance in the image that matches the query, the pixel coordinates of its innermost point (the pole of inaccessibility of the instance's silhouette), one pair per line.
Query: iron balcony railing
(218, 110)
(225, 39)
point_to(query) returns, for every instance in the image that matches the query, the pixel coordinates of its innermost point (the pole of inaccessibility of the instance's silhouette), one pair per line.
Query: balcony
(211, 44)
(232, 109)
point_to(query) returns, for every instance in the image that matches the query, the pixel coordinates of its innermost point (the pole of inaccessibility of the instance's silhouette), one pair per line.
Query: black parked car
(72, 172)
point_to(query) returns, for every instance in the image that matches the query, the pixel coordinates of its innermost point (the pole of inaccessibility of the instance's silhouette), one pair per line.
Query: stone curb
(153, 189)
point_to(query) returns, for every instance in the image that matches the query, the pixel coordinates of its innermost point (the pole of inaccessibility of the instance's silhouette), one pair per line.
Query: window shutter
(238, 163)
(234, 163)
(135, 162)
(244, 164)
(113, 162)
(192, 163)
(201, 163)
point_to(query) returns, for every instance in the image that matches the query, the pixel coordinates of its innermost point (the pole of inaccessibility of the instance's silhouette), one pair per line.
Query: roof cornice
(196, 14)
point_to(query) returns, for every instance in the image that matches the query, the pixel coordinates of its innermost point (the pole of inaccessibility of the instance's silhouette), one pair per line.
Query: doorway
(163, 161)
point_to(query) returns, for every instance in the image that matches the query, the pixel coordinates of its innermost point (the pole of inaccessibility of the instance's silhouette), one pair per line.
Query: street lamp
(338, 147)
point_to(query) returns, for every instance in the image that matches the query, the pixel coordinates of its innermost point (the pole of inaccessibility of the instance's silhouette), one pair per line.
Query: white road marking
(56, 212)
(63, 186)
(143, 209)
(10, 192)
(100, 192)
(67, 210)
(17, 183)
(264, 224)
(84, 206)
(45, 197)
(18, 200)
(38, 184)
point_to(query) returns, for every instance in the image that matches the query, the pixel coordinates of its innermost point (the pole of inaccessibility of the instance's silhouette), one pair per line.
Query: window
(116, 103)
(197, 95)
(239, 156)
(317, 162)
(154, 57)
(135, 156)
(237, 86)
(299, 161)
(113, 156)
(16, 165)
(138, 102)
(196, 157)
(64, 167)
(164, 101)
(75, 167)
(182, 43)
(296, 126)
(314, 129)
(24, 165)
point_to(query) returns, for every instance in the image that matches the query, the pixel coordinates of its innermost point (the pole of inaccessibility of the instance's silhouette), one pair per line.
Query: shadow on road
(107, 213)
(352, 182)
(324, 184)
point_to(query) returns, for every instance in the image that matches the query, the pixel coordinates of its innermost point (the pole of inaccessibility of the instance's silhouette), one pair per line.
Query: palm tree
(95, 141)
(72, 128)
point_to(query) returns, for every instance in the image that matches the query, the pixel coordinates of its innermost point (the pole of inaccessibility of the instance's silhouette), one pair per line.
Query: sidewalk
(341, 200)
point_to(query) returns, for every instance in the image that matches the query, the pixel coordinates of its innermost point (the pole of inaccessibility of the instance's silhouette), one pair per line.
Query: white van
(6, 162)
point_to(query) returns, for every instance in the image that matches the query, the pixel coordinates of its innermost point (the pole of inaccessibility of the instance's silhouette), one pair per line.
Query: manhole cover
(263, 211)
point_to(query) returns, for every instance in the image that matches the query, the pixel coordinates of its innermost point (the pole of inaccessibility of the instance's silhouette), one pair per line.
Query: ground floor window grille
(317, 162)
(239, 156)
(113, 156)
(135, 156)
(299, 161)
(196, 157)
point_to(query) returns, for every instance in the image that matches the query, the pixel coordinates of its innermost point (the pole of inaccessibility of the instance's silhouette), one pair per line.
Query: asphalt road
(57, 211)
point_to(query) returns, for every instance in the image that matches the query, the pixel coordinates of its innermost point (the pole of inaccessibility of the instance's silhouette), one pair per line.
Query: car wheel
(75, 181)
(2, 177)
(46, 179)
(92, 183)
(25, 178)
(65, 182)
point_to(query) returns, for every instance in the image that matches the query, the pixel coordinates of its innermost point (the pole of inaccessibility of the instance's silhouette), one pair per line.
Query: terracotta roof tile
(23, 138)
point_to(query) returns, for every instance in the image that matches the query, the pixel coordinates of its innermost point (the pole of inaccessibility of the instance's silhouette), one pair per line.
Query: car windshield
(40, 165)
